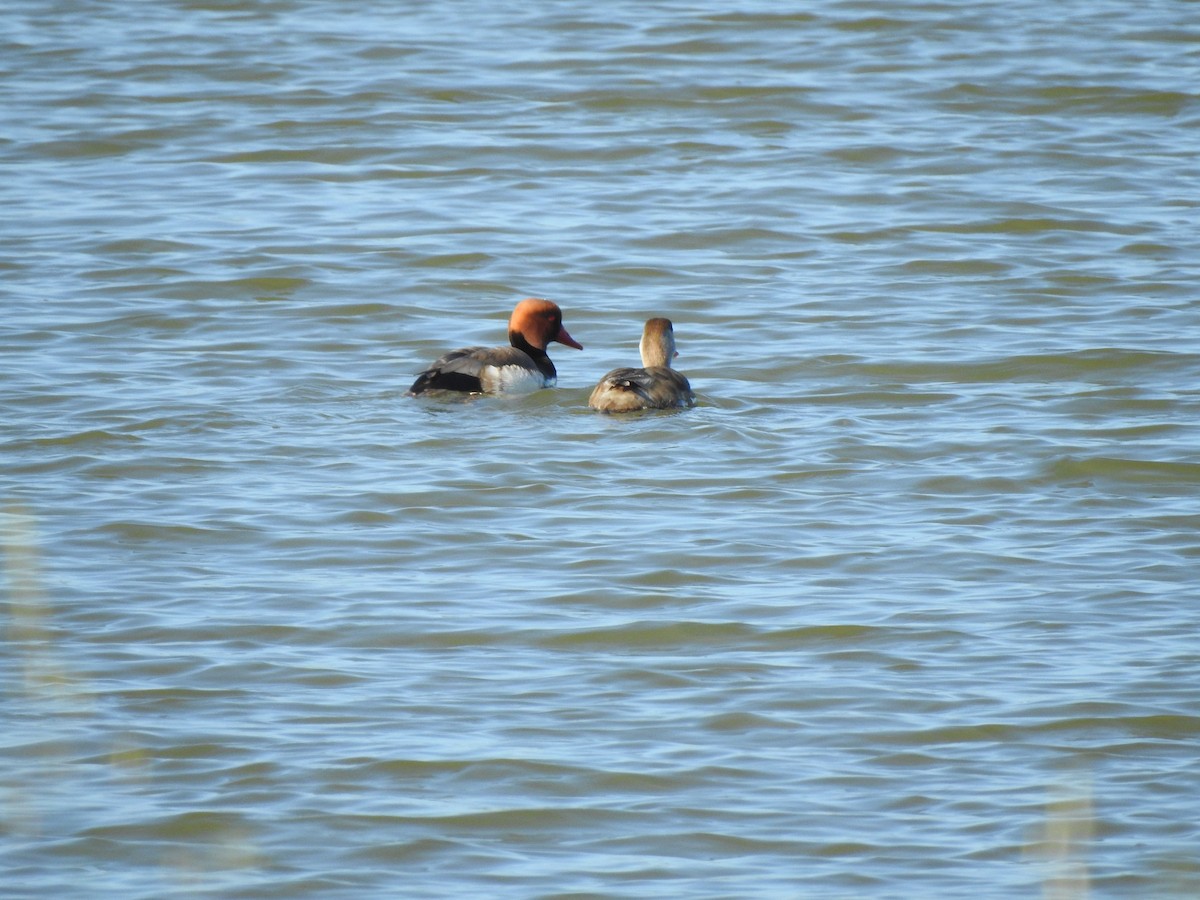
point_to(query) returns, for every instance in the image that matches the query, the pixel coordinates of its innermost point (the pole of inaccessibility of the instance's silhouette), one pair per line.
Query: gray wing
(459, 370)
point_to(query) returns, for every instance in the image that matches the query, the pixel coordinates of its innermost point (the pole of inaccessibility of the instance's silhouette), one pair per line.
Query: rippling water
(905, 607)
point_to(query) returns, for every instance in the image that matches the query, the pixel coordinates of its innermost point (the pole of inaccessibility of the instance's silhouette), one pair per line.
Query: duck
(654, 386)
(521, 367)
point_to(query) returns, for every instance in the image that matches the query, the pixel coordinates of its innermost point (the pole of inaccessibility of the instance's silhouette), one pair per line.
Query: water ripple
(903, 606)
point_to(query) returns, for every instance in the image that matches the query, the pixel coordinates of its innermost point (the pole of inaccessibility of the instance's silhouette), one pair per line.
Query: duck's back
(654, 387)
(484, 370)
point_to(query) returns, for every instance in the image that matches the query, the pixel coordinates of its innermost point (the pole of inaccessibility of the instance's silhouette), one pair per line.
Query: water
(904, 608)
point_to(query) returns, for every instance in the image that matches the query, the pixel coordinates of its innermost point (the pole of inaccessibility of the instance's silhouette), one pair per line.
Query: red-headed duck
(523, 366)
(655, 386)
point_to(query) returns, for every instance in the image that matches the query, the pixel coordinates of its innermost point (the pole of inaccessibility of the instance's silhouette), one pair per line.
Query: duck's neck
(656, 353)
(539, 357)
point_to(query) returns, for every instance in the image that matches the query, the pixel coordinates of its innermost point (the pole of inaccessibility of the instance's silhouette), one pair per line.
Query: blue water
(903, 608)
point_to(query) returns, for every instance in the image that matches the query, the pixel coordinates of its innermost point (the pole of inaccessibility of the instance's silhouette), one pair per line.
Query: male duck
(522, 366)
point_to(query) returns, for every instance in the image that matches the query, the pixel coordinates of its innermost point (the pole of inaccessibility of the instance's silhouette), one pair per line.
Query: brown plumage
(654, 386)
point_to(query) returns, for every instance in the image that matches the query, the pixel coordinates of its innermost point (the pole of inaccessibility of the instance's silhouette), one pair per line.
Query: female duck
(522, 366)
(655, 386)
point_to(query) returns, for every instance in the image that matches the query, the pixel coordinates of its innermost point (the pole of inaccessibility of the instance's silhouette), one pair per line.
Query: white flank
(512, 379)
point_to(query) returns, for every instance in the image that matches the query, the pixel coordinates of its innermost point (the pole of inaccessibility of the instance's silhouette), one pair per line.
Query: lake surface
(907, 606)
